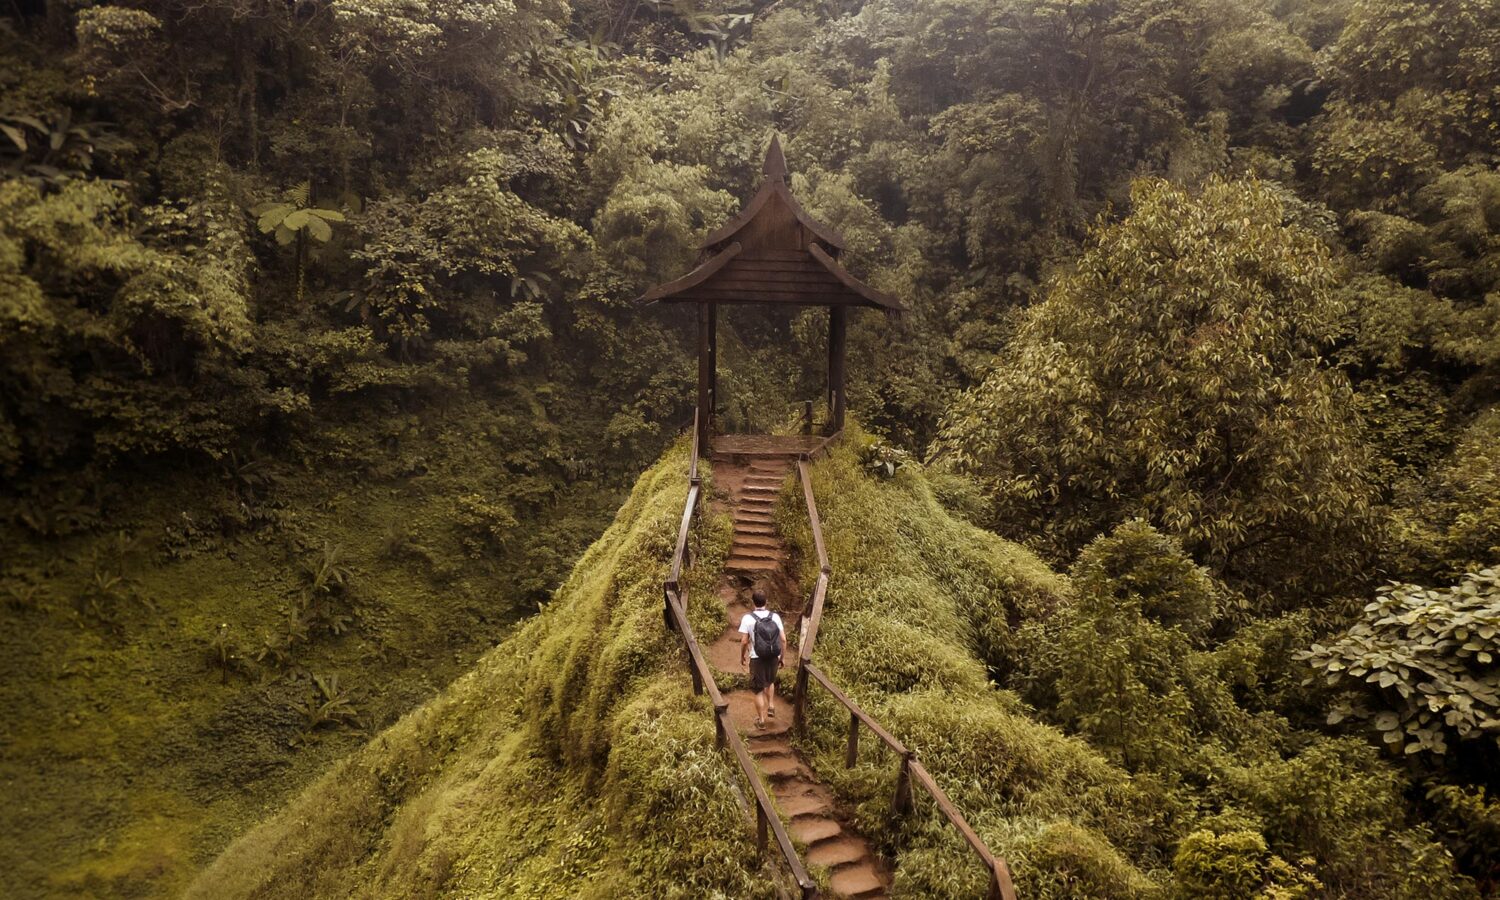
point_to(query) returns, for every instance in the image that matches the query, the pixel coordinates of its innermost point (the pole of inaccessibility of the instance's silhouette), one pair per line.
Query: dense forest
(321, 366)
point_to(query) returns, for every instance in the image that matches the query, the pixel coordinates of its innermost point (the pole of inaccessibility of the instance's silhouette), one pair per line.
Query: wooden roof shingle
(774, 251)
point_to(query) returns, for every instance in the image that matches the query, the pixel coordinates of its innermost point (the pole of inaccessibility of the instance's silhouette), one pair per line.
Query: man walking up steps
(762, 640)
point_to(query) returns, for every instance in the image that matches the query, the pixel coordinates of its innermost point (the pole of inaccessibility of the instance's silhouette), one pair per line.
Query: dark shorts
(763, 673)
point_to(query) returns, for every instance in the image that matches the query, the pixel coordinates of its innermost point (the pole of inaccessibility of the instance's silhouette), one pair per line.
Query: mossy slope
(572, 761)
(130, 759)
(922, 606)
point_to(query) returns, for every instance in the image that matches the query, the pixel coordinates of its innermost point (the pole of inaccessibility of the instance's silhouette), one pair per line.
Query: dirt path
(758, 560)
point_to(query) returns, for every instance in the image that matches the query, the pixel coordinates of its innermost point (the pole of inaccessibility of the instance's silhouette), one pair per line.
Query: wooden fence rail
(767, 822)
(911, 770)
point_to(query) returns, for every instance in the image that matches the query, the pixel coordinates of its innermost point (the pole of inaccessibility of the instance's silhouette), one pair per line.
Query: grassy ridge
(920, 606)
(572, 761)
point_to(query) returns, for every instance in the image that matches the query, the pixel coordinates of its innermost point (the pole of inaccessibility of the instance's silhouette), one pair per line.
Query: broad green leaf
(16, 135)
(319, 229)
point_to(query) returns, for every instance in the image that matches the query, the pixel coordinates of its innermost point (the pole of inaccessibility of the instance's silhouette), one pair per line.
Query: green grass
(129, 761)
(921, 609)
(572, 761)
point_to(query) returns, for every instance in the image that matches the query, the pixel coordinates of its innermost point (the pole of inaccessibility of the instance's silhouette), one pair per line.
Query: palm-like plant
(293, 219)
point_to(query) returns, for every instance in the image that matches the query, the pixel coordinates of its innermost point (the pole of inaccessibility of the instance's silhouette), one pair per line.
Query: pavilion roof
(774, 251)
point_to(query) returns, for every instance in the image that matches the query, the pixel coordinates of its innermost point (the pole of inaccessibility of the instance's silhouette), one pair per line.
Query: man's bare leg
(760, 707)
(771, 698)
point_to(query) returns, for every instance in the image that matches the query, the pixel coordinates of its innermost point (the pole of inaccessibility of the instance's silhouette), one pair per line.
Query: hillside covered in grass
(1097, 730)
(181, 653)
(575, 761)
(572, 761)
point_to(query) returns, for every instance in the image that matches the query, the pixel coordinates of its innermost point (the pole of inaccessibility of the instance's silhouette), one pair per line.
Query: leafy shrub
(1335, 801)
(882, 459)
(1468, 820)
(1064, 860)
(1236, 866)
(1119, 662)
(1420, 665)
(325, 704)
(486, 523)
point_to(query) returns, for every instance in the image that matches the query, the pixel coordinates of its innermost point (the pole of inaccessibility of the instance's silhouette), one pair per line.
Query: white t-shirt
(747, 626)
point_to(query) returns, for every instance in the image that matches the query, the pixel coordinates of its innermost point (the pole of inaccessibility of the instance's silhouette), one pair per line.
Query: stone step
(753, 488)
(751, 517)
(774, 482)
(758, 540)
(779, 768)
(802, 805)
(743, 551)
(837, 852)
(745, 564)
(759, 501)
(753, 528)
(770, 747)
(811, 829)
(859, 880)
(742, 715)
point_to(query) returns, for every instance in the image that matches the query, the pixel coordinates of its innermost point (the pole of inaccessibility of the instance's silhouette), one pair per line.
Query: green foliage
(917, 596)
(572, 760)
(1419, 665)
(1237, 865)
(1468, 819)
(466, 337)
(290, 218)
(224, 653)
(883, 459)
(1176, 374)
(1125, 671)
(325, 703)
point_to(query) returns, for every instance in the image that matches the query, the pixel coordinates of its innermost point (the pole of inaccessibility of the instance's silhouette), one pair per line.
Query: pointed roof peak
(775, 166)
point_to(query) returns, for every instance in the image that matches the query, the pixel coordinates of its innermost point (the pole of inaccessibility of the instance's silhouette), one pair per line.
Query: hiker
(762, 639)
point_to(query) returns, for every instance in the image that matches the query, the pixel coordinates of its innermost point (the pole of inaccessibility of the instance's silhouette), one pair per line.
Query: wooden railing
(911, 770)
(767, 823)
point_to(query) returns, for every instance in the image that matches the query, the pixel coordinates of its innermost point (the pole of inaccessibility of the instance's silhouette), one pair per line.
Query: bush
(1236, 866)
(1420, 666)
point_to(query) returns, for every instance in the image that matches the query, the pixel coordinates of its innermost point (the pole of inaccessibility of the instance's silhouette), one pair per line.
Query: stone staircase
(757, 560)
(753, 489)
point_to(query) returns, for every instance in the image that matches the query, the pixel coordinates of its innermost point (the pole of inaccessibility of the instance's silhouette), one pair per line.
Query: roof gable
(774, 251)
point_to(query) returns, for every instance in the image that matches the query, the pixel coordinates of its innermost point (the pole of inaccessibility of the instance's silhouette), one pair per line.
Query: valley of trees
(320, 367)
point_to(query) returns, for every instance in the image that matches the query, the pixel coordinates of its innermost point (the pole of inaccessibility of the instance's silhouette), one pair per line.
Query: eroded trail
(758, 560)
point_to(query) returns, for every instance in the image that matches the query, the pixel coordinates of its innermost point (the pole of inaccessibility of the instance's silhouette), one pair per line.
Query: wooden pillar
(713, 366)
(838, 327)
(705, 378)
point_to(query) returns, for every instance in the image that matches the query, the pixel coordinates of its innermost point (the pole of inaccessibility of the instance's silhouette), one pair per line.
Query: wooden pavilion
(772, 253)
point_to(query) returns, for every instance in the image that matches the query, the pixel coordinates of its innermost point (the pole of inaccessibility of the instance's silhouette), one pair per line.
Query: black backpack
(767, 636)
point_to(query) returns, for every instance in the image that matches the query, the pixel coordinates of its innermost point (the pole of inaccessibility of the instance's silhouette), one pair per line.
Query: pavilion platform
(764, 445)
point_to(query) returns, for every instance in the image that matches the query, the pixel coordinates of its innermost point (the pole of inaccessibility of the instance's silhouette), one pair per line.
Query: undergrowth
(1102, 782)
(572, 761)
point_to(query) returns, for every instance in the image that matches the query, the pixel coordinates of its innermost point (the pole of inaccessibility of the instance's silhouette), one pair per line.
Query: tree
(1176, 373)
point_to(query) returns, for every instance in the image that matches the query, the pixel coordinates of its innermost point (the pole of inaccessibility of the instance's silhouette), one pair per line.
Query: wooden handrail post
(697, 677)
(760, 829)
(807, 417)
(901, 802)
(1001, 887)
(851, 756)
(720, 713)
(799, 698)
